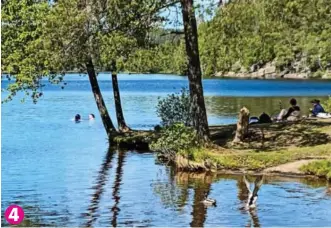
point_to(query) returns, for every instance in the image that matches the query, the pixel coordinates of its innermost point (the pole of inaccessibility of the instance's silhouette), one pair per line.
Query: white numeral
(14, 214)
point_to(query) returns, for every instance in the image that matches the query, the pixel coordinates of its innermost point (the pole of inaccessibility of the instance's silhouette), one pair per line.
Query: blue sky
(175, 17)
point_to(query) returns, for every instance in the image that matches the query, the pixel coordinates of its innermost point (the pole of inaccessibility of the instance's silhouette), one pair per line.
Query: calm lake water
(62, 173)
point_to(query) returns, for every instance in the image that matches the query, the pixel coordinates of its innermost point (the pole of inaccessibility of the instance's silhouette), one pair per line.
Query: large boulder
(270, 69)
(254, 75)
(261, 73)
(230, 74)
(219, 74)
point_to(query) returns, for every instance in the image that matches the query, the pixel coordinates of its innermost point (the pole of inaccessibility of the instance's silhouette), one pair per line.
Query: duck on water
(209, 201)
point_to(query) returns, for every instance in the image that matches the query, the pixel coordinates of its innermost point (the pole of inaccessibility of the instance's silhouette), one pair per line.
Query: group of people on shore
(78, 118)
(293, 113)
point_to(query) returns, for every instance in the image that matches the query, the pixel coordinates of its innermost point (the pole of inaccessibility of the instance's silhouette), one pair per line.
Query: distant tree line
(246, 33)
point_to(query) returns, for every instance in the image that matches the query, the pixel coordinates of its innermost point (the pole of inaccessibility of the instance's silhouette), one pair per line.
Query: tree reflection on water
(101, 180)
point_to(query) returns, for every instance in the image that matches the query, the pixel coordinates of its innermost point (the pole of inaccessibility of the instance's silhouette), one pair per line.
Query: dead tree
(242, 125)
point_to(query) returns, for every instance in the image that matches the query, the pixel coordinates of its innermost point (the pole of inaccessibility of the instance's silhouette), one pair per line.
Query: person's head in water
(293, 102)
(77, 117)
(91, 117)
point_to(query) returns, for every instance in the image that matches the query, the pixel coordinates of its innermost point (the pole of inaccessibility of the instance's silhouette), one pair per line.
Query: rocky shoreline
(270, 71)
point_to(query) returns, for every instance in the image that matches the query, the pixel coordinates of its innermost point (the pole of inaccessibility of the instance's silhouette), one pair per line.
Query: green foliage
(47, 39)
(246, 33)
(22, 55)
(327, 104)
(319, 168)
(256, 32)
(175, 108)
(167, 58)
(176, 138)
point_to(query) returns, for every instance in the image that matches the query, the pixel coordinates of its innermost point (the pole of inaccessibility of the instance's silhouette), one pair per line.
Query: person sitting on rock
(292, 114)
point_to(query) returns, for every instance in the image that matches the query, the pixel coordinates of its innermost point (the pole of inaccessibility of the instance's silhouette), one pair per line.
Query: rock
(303, 75)
(270, 70)
(271, 76)
(282, 74)
(219, 74)
(254, 75)
(261, 73)
(296, 76)
(230, 74)
(242, 75)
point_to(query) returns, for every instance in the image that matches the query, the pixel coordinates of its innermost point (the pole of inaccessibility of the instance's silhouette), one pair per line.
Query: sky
(175, 17)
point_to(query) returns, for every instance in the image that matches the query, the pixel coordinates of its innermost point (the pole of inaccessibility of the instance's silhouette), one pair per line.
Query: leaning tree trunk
(199, 115)
(106, 120)
(242, 125)
(122, 127)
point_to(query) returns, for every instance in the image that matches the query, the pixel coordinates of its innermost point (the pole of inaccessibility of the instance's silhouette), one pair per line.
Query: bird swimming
(208, 201)
(252, 196)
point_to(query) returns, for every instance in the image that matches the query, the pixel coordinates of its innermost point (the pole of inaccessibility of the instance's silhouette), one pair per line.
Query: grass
(260, 160)
(318, 168)
(252, 160)
(289, 143)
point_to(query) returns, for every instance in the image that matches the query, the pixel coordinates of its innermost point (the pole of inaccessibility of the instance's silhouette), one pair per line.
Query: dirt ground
(270, 137)
(290, 168)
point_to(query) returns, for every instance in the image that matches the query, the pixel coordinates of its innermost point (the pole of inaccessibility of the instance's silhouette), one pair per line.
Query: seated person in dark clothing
(293, 113)
(263, 118)
(317, 108)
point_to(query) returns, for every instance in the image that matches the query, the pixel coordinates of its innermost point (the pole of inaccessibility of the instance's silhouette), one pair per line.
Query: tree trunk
(242, 125)
(199, 115)
(122, 127)
(106, 120)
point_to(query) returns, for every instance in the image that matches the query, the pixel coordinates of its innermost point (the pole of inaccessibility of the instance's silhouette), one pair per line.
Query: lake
(62, 173)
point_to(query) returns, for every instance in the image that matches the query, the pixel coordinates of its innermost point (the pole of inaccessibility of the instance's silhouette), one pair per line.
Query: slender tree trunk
(122, 127)
(106, 120)
(200, 122)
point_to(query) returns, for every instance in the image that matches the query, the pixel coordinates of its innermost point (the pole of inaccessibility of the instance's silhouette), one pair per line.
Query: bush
(175, 108)
(175, 139)
(327, 105)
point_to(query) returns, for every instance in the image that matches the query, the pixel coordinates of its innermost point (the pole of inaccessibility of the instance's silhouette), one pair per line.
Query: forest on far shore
(289, 36)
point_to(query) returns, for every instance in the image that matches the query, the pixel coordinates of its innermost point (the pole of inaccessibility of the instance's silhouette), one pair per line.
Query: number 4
(14, 214)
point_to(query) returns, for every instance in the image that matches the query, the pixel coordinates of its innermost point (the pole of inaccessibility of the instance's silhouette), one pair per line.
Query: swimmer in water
(91, 117)
(77, 118)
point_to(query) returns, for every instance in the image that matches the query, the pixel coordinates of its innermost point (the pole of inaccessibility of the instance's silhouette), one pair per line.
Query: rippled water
(62, 174)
